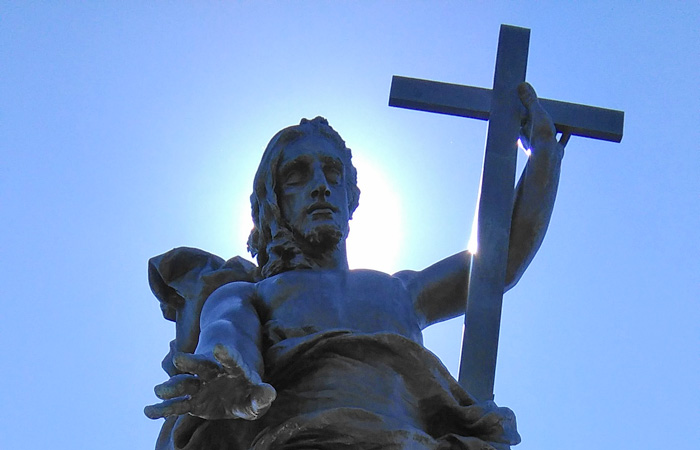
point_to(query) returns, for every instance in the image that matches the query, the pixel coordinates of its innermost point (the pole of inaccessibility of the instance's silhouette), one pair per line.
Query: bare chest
(304, 302)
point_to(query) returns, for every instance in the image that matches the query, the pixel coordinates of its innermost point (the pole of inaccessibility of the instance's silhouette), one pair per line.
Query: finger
(246, 413)
(231, 361)
(528, 98)
(200, 365)
(538, 124)
(178, 386)
(259, 402)
(262, 396)
(173, 407)
(527, 95)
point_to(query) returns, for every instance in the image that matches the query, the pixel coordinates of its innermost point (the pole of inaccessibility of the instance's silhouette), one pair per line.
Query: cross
(502, 108)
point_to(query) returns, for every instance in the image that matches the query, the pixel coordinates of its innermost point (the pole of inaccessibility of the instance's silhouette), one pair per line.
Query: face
(311, 191)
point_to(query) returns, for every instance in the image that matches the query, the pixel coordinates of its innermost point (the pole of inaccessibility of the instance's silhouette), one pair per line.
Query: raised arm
(536, 189)
(440, 291)
(223, 378)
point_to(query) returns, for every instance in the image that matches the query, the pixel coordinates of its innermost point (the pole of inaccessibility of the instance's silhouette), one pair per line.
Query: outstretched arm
(440, 291)
(222, 379)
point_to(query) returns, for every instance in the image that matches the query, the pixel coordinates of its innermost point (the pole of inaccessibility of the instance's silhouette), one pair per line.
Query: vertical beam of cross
(502, 108)
(488, 271)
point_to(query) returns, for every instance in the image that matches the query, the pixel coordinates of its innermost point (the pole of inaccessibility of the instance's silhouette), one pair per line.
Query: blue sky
(127, 129)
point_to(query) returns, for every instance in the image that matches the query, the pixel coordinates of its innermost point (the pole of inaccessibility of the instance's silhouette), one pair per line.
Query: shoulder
(370, 274)
(236, 289)
(406, 276)
(398, 280)
(439, 291)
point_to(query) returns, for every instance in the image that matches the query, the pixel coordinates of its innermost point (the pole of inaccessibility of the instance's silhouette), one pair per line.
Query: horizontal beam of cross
(475, 102)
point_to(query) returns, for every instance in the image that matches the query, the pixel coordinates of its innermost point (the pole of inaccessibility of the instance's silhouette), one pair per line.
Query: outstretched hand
(216, 386)
(539, 126)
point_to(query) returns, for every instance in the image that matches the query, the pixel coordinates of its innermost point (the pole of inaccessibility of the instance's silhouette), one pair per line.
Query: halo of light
(376, 230)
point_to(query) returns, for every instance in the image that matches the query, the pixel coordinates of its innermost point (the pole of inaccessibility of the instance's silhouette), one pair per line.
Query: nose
(321, 191)
(319, 183)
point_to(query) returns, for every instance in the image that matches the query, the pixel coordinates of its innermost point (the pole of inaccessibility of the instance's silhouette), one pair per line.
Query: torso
(309, 301)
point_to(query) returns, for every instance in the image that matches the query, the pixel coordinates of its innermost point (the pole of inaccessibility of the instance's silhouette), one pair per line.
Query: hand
(539, 127)
(217, 386)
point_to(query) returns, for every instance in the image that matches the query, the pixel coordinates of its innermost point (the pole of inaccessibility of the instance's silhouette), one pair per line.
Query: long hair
(271, 239)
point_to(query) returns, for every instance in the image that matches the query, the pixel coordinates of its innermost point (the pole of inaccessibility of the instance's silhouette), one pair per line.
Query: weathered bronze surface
(298, 351)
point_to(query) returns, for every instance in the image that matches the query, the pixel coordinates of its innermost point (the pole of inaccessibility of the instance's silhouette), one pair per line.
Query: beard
(322, 238)
(291, 249)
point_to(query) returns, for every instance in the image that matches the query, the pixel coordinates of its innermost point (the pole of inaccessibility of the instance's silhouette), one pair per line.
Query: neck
(336, 259)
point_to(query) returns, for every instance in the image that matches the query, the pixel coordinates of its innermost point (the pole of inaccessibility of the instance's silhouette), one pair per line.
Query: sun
(376, 230)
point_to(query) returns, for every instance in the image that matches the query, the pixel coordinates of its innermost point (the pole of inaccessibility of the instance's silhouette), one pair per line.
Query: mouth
(321, 208)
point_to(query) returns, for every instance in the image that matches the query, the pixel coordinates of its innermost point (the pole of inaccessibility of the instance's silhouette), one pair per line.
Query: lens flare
(521, 146)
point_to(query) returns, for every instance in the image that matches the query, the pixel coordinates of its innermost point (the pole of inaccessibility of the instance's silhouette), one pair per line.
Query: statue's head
(304, 194)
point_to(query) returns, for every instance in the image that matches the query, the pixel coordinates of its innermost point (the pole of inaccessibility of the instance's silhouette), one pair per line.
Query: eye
(294, 176)
(295, 173)
(333, 174)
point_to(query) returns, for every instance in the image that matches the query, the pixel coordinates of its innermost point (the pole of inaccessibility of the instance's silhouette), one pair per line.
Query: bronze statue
(299, 352)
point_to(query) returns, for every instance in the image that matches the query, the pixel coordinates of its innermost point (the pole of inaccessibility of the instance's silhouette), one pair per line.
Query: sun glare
(376, 230)
(473, 245)
(527, 151)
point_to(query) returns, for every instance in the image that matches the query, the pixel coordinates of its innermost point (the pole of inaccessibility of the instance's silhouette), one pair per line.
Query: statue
(300, 352)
